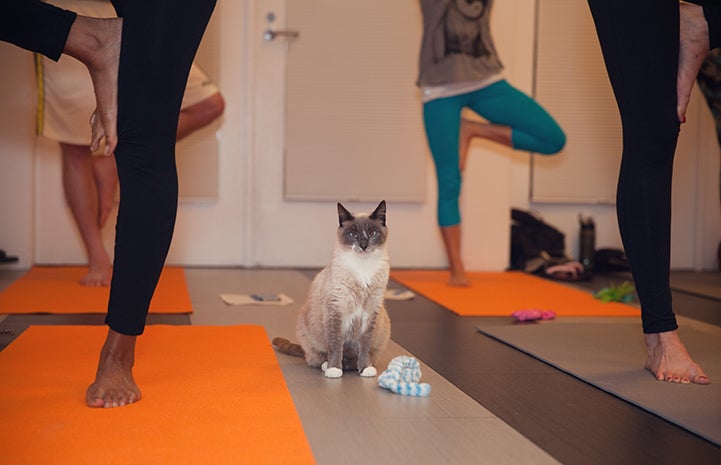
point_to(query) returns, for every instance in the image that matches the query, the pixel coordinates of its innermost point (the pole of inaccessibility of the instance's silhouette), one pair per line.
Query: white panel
(354, 123)
(197, 154)
(572, 84)
(17, 127)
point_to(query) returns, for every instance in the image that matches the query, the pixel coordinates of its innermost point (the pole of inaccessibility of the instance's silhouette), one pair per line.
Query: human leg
(160, 38)
(106, 179)
(199, 115)
(442, 122)
(452, 243)
(479, 129)
(155, 62)
(83, 197)
(709, 80)
(693, 48)
(700, 31)
(643, 42)
(529, 126)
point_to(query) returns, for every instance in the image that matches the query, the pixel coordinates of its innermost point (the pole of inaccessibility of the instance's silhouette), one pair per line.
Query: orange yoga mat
(56, 289)
(502, 293)
(211, 395)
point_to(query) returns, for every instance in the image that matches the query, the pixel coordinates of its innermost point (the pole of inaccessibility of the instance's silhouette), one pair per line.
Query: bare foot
(114, 385)
(693, 48)
(669, 361)
(98, 276)
(459, 280)
(96, 43)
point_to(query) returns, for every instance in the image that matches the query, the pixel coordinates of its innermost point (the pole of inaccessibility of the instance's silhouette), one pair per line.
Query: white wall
(199, 240)
(17, 143)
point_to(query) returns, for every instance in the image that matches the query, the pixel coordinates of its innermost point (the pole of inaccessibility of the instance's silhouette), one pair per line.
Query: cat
(344, 324)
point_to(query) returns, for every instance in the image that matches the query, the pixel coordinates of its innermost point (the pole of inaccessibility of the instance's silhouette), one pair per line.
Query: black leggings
(36, 26)
(160, 39)
(640, 44)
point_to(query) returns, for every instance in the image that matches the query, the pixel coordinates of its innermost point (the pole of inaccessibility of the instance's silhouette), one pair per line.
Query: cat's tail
(284, 346)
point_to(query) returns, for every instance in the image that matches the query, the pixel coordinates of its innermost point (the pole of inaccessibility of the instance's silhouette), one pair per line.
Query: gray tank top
(457, 45)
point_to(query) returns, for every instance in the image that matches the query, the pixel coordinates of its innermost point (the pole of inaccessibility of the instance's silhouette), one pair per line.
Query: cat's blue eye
(373, 234)
(352, 234)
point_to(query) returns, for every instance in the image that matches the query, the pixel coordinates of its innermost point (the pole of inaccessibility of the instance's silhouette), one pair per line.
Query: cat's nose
(363, 244)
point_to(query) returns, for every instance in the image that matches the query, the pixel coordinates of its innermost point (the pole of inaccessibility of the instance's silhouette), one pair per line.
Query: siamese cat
(343, 323)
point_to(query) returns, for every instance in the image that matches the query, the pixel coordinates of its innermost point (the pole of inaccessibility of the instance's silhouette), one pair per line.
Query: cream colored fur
(343, 323)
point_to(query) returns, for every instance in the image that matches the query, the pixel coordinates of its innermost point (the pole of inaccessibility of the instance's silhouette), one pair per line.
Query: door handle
(271, 34)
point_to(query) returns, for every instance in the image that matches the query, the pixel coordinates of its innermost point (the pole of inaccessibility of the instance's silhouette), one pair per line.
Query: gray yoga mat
(704, 283)
(609, 353)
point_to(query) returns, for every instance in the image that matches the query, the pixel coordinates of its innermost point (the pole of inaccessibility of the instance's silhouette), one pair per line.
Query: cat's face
(362, 233)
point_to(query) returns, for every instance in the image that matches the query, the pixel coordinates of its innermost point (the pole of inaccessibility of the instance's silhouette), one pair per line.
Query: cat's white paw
(369, 372)
(323, 366)
(333, 372)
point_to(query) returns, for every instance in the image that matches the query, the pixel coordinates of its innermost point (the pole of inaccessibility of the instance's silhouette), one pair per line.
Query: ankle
(89, 37)
(120, 348)
(82, 41)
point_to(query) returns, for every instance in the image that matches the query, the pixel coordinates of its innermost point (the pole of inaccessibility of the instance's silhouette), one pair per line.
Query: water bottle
(587, 242)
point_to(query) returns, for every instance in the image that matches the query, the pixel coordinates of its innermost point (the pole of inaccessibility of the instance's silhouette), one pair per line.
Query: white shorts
(66, 99)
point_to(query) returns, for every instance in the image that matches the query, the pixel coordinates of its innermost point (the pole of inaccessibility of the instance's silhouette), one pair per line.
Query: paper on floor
(399, 294)
(255, 299)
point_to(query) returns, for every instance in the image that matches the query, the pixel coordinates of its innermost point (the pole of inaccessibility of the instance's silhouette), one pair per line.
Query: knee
(208, 110)
(75, 155)
(449, 187)
(448, 175)
(215, 105)
(449, 213)
(449, 190)
(448, 216)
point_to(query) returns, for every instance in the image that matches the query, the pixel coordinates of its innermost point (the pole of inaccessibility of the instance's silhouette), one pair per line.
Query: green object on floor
(616, 293)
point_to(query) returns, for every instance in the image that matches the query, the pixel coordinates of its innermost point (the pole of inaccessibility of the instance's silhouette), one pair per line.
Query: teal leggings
(532, 129)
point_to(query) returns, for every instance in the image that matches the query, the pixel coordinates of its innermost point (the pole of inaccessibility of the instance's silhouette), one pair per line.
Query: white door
(337, 117)
(336, 81)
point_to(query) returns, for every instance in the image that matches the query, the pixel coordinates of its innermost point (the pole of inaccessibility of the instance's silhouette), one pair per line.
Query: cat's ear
(343, 214)
(379, 213)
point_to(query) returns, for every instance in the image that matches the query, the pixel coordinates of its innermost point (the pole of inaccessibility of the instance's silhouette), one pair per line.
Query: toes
(112, 399)
(95, 402)
(684, 378)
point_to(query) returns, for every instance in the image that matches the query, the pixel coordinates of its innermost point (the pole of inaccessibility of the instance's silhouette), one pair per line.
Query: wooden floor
(490, 404)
